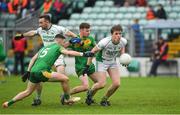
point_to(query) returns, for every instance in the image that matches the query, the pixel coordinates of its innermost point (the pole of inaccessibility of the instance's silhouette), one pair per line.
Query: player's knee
(27, 93)
(85, 87)
(102, 85)
(66, 79)
(116, 84)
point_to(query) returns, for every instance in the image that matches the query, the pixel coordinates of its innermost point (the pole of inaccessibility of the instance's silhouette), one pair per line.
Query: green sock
(10, 102)
(105, 98)
(90, 92)
(66, 96)
(38, 96)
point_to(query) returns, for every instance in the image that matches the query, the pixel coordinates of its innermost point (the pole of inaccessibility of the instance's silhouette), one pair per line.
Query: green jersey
(80, 62)
(46, 57)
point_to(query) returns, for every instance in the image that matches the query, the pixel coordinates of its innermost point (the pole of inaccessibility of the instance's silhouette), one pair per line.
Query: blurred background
(143, 21)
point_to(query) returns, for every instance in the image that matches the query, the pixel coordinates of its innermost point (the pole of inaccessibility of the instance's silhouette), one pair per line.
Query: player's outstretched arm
(94, 50)
(30, 33)
(75, 53)
(27, 34)
(71, 34)
(26, 75)
(72, 41)
(86, 68)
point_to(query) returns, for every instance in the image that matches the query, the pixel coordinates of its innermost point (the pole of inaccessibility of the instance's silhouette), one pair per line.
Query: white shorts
(103, 66)
(60, 61)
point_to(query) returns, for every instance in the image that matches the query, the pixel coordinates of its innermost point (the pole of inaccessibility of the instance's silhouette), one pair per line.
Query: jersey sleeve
(37, 31)
(102, 43)
(124, 42)
(62, 30)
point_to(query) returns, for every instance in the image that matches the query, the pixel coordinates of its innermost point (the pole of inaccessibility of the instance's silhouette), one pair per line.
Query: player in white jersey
(107, 50)
(47, 31)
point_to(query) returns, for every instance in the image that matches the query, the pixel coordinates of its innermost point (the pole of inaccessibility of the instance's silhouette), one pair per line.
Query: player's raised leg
(83, 87)
(60, 68)
(30, 88)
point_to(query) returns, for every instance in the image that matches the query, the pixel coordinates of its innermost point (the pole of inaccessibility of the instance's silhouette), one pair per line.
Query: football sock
(66, 96)
(10, 102)
(90, 92)
(38, 95)
(105, 98)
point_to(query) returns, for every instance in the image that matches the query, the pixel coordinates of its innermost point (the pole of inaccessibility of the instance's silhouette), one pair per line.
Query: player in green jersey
(2, 59)
(87, 43)
(47, 31)
(39, 70)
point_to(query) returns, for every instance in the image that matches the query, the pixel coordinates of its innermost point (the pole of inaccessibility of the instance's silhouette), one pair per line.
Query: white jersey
(109, 51)
(49, 35)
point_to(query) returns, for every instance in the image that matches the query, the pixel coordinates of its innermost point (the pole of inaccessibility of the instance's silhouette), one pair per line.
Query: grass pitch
(136, 95)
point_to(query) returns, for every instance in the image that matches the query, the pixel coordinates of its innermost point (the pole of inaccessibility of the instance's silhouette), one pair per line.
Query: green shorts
(37, 77)
(79, 71)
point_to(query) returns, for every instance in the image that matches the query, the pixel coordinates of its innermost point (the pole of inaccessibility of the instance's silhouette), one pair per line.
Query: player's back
(46, 57)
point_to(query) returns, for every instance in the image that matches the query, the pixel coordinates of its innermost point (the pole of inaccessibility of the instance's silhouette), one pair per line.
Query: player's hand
(25, 76)
(18, 36)
(88, 54)
(75, 40)
(86, 69)
(125, 65)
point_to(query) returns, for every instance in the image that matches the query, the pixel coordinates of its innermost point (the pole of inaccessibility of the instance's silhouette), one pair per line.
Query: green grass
(136, 95)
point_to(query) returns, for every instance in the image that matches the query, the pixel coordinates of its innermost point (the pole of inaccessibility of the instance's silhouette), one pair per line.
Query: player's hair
(84, 25)
(116, 28)
(59, 36)
(46, 17)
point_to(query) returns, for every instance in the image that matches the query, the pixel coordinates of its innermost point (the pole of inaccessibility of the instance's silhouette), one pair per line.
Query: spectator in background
(47, 5)
(56, 10)
(91, 3)
(11, 7)
(15, 2)
(161, 13)
(19, 47)
(32, 6)
(57, 5)
(119, 2)
(129, 2)
(150, 14)
(172, 2)
(19, 11)
(23, 3)
(126, 4)
(139, 38)
(29, 10)
(141, 3)
(159, 56)
(39, 3)
(3, 6)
